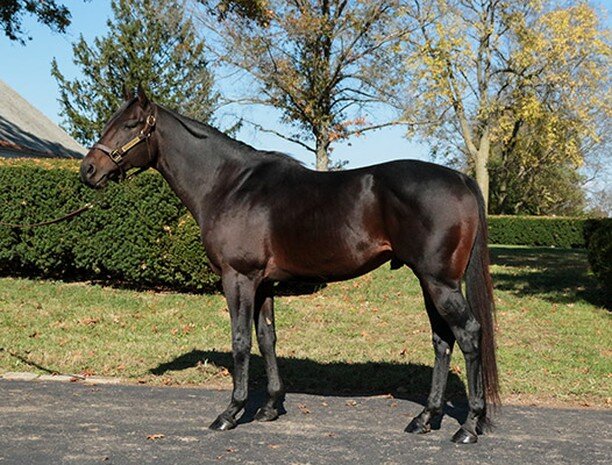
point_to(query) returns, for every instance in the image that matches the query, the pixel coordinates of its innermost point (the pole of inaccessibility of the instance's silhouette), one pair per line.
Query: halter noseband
(117, 155)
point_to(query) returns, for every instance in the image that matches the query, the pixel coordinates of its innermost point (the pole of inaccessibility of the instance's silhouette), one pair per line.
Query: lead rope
(68, 216)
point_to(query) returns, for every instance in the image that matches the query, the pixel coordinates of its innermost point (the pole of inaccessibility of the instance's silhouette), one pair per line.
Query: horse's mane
(202, 131)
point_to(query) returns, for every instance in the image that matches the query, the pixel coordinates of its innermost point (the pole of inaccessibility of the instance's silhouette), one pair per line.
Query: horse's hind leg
(453, 308)
(266, 338)
(443, 342)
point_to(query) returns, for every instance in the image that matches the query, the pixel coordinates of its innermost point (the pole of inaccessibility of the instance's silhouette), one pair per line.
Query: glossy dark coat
(264, 218)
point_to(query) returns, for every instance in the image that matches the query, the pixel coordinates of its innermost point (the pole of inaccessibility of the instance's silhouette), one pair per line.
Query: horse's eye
(131, 124)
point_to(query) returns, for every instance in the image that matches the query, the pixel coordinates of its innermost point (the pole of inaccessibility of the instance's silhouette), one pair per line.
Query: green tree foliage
(48, 12)
(148, 42)
(309, 58)
(548, 188)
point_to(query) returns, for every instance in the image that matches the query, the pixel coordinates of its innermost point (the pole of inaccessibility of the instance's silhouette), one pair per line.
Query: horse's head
(125, 143)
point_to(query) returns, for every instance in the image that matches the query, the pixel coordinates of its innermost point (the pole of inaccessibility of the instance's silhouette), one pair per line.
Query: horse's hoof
(223, 424)
(266, 414)
(463, 436)
(417, 426)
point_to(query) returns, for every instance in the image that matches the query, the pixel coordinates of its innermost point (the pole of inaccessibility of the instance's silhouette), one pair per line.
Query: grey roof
(26, 132)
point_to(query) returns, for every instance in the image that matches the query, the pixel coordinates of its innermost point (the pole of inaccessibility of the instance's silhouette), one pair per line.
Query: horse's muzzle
(88, 171)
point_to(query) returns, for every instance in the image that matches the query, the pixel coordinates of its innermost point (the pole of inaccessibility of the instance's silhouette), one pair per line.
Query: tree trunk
(322, 149)
(482, 174)
(479, 148)
(480, 164)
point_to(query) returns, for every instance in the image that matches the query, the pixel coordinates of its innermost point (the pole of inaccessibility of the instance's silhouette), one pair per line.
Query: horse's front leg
(240, 294)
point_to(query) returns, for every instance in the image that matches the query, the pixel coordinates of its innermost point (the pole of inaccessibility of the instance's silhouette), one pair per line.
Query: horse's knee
(241, 346)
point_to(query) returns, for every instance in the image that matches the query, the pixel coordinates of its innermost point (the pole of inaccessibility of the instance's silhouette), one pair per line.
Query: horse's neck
(198, 170)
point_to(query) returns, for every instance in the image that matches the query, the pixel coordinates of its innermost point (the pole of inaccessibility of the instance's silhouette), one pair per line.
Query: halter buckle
(116, 156)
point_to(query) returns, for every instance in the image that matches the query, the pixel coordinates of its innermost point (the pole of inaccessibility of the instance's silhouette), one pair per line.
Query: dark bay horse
(266, 218)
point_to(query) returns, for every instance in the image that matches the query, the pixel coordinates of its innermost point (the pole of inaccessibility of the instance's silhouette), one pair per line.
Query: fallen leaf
(156, 436)
(305, 410)
(188, 328)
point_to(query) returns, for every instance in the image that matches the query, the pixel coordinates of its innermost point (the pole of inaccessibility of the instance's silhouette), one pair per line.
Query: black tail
(479, 290)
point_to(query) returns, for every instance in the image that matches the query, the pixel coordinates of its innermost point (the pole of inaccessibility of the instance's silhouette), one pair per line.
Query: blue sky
(27, 70)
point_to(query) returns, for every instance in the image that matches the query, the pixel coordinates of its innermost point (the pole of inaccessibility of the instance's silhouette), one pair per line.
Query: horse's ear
(142, 96)
(127, 92)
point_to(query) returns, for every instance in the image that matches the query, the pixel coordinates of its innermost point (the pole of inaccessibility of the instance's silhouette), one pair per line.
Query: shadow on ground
(400, 380)
(557, 275)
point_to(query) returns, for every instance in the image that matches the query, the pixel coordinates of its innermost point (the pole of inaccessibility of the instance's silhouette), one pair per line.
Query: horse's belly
(327, 263)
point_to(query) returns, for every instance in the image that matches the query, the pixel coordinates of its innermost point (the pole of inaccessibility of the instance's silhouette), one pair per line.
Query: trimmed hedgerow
(565, 232)
(598, 237)
(138, 233)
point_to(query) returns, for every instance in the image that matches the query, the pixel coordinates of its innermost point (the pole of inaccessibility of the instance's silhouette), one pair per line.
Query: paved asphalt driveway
(56, 423)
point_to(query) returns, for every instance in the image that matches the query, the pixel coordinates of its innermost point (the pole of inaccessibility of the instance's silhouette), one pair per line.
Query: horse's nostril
(91, 170)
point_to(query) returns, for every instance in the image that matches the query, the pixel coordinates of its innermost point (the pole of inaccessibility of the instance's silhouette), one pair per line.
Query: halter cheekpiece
(117, 155)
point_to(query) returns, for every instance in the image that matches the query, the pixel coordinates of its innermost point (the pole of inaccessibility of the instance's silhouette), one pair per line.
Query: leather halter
(117, 155)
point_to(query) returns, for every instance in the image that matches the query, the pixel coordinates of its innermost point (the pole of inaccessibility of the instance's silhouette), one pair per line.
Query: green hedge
(598, 237)
(138, 233)
(562, 232)
(141, 235)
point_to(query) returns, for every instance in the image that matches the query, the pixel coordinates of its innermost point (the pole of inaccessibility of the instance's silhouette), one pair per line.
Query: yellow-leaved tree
(525, 82)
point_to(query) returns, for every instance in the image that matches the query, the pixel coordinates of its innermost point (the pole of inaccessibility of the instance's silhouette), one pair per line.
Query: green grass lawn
(369, 335)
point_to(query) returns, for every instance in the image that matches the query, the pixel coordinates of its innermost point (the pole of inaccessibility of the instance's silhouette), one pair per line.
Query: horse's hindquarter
(431, 216)
(327, 226)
